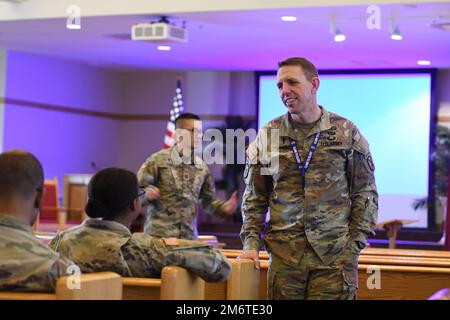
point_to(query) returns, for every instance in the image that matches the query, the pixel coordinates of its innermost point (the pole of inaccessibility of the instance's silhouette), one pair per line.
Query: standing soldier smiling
(323, 200)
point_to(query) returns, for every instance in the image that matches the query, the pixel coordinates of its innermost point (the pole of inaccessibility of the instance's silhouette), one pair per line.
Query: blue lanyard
(301, 167)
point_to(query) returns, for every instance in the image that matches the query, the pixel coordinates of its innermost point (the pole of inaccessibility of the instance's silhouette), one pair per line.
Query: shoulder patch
(247, 167)
(369, 162)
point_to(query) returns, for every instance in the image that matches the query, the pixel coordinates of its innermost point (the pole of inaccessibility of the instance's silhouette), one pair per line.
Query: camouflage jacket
(181, 187)
(27, 264)
(339, 201)
(97, 246)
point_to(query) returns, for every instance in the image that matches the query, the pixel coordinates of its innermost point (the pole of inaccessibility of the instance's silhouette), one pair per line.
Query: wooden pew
(234, 253)
(175, 284)
(263, 255)
(243, 283)
(93, 286)
(406, 253)
(263, 269)
(178, 284)
(405, 261)
(51, 211)
(397, 282)
(403, 282)
(75, 195)
(212, 240)
(399, 267)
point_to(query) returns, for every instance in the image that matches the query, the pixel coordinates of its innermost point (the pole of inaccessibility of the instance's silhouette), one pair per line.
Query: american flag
(175, 111)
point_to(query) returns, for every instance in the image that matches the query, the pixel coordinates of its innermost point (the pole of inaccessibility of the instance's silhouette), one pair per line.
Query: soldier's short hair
(111, 192)
(186, 116)
(21, 174)
(307, 66)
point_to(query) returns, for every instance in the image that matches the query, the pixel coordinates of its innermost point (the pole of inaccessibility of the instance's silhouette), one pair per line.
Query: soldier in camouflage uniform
(321, 210)
(176, 185)
(108, 245)
(26, 264)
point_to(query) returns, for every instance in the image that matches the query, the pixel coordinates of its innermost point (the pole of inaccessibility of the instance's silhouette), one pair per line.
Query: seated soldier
(26, 264)
(106, 244)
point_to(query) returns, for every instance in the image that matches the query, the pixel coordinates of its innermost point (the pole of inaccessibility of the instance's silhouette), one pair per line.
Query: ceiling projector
(161, 31)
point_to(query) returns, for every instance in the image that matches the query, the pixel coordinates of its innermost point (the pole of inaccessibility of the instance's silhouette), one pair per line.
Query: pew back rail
(93, 286)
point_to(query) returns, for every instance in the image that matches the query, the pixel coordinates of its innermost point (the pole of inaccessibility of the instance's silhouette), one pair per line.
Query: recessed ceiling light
(423, 62)
(73, 26)
(164, 48)
(396, 35)
(288, 18)
(336, 32)
(395, 30)
(339, 36)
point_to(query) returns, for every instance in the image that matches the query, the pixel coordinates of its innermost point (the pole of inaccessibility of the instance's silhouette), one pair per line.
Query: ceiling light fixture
(288, 18)
(395, 30)
(73, 26)
(164, 48)
(423, 62)
(73, 21)
(338, 35)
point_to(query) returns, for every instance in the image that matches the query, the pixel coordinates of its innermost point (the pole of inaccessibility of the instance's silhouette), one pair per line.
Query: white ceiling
(44, 9)
(245, 40)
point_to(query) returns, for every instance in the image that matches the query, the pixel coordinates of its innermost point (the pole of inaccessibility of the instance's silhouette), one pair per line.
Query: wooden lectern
(392, 227)
(75, 195)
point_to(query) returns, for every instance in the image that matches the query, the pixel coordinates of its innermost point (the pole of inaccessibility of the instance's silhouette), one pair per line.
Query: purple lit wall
(204, 92)
(443, 94)
(145, 93)
(64, 142)
(70, 142)
(2, 92)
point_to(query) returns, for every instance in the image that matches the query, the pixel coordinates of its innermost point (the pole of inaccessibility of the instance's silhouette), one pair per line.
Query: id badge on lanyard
(304, 167)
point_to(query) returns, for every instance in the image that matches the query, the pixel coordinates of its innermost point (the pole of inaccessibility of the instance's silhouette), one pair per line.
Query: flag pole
(176, 109)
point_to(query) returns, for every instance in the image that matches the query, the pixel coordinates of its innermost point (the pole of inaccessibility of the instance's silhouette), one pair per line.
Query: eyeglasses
(141, 193)
(193, 130)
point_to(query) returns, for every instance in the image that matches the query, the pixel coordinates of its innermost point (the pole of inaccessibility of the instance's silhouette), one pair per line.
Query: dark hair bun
(111, 192)
(96, 209)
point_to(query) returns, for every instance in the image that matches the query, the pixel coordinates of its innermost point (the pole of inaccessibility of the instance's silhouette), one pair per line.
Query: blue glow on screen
(392, 111)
